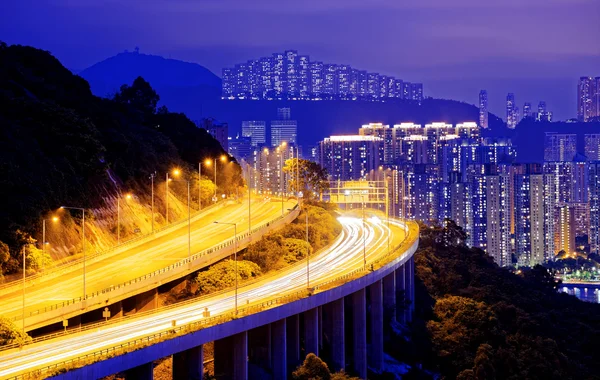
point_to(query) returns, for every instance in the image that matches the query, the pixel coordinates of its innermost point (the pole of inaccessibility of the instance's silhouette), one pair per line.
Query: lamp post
(83, 244)
(364, 233)
(152, 186)
(280, 150)
(189, 217)
(199, 185)
(23, 318)
(223, 158)
(128, 196)
(307, 253)
(54, 219)
(235, 259)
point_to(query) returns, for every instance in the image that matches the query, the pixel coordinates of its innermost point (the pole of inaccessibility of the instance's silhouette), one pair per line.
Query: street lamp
(235, 259)
(223, 158)
(152, 181)
(364, 232)
(83, 244)
(189, 218)
(44, 242)
(127, 196)
(280, 151)
(176, 172)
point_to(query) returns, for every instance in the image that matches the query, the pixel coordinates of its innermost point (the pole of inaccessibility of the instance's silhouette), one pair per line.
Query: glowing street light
(223, 158)
(83, 236)
(235, 259)
(127, 196)
(176, 173)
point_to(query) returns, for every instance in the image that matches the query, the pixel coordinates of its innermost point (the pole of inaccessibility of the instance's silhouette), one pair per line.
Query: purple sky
(534, 48)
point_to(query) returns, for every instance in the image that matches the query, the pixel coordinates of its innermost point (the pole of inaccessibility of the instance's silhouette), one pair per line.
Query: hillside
(107, 76)
(61, 145)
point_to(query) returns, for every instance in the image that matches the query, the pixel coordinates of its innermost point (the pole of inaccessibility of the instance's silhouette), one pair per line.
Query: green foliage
(4, 253)
(36, 259)
(475, 320)
(10, 334)
(313, 368)
(312, 177)
(288, 244)
(222, 275)
(295, 250)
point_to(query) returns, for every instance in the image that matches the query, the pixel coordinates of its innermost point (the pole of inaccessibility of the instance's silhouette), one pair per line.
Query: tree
(313, 178)
(313, 368)
(10, 334)
(140, 95)
(222, 275)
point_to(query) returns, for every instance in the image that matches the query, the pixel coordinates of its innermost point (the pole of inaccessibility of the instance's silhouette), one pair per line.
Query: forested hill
(475, 320)
(61, 145)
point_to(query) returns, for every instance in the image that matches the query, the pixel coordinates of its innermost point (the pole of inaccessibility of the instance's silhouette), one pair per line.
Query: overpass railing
(139, 343)
(177, 265)
(64, 267)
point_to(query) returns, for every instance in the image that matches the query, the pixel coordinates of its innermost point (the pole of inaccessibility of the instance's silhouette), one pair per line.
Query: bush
(313, 368)
(222, 275)
(10, 334)
(295, 250)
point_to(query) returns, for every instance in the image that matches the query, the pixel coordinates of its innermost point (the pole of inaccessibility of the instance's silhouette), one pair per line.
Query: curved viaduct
(342, 320)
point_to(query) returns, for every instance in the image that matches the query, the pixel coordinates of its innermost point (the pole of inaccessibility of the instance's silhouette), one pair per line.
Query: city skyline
(458, 68)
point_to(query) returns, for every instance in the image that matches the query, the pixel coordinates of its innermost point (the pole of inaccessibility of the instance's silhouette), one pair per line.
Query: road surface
(140, 259)
(342, 257)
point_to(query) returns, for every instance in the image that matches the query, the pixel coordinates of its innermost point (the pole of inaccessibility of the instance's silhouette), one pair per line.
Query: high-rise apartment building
(543, 114)
(588, 98)
(498, 218)
(220, 131)
(283, 129)
(350, 157)
(592, 146)
(527, 111)
(256, 130)
(385, 133)
(483, 109)
(594, 206)
(289, 75)
(511, 111)
(559, 146)
(530, 215)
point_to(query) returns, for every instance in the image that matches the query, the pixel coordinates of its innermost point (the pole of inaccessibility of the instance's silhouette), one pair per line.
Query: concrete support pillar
(240, 356)
(409, 281)
(412, 287)
(189, 364)
(279, 349)
(359, 333)
(338, 354)
(293, 341)
(259, 347)
(320, 328)
(400, 290)
(376, 309)
(389, 297)
(223, 356)
(311, 331)
(142, 372)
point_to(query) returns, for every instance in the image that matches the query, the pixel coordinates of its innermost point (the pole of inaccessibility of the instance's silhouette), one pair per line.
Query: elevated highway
(141, 266)
(276, 323)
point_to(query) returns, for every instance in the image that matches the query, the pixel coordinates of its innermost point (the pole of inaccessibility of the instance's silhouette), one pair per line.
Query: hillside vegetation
(475, 320)
(61, 145)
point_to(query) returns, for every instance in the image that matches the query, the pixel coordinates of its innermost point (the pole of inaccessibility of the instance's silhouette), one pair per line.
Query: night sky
(534, 48)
